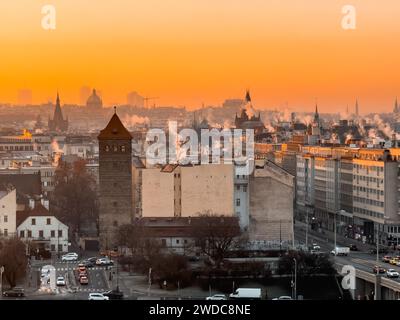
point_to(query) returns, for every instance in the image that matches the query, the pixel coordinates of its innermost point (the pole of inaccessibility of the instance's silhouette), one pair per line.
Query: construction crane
(146, 99)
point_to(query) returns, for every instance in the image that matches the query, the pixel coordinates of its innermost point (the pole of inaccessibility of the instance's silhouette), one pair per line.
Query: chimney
(45, 203)
(31, 203)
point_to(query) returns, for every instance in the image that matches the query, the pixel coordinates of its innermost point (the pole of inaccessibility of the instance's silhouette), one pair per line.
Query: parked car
(104, 262)
(84, 280)
(217, 297)
(283, 298)
(353, 247)
(114, 294)
(60, 281)
(316, 247)
(386, 259)
(82, 274)
(391, 273)
(378, 269)
(15, 292)
(97, 296)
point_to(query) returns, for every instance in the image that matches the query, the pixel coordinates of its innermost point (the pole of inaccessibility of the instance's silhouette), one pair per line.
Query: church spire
(316, 115)
(396, 107)
(357, 111)
(248, 98)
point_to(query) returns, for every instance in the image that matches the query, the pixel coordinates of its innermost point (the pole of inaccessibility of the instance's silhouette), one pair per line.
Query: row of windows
(369, 201)
(177, 241)
(363, 189)
(244, 188)
(371, 168)
(16, 148)
(367, 178)
(368, 212)
(33, 221)
(115, 148)
(41, 233)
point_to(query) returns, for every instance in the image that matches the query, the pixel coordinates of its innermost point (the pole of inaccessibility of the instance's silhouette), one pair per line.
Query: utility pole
(377, 279)
(307, 230)
(280, 235)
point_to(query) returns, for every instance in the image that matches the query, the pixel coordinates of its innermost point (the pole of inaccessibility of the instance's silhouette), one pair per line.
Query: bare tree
(74, 199)
(14, 260)
(133, 236)
(216, 235)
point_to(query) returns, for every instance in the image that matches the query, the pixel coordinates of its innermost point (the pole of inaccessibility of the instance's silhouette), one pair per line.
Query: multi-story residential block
(8, 209)
(356, 188)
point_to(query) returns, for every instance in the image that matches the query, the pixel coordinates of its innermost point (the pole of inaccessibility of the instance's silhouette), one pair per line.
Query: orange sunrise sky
(189, 52)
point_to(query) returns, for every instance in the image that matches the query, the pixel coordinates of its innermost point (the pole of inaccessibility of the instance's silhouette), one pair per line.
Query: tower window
(107, 148)
(123, 148)
(115, 223)
(115, 203)
(115, 148)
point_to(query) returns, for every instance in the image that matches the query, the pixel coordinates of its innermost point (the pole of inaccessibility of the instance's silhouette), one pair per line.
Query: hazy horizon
(194, 52)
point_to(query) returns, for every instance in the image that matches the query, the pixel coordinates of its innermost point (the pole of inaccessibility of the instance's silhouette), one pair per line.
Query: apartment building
(8, 209)
(357, 188)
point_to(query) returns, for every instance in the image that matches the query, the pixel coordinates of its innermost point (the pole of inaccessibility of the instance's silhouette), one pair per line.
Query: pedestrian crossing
(74, 268)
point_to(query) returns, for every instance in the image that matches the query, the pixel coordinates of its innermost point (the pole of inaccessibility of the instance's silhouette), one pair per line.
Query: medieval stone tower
(115, 177)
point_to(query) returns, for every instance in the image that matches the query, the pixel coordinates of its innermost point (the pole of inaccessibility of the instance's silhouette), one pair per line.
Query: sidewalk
(137, 285)
(328, 236)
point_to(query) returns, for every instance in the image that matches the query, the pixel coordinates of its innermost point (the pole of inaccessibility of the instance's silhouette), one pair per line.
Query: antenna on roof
(115, 110)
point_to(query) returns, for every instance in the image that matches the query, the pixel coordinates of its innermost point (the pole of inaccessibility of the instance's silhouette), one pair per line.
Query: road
(73, 289)
(361, 260)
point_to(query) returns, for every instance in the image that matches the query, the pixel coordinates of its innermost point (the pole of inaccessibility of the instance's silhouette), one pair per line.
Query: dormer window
(115, 148)
(123, 148)
(107, 148)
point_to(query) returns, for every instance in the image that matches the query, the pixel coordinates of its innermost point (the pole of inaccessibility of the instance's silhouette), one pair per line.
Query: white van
(246, 293)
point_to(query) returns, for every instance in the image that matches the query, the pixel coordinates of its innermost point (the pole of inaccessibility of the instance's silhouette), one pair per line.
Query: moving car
(353, 247)
(81, 267)
(378, 269)
(69, 257)
(386, 259)
(88, 264)
(60, 281)
(216, 297)
(340, 251)
(84, 280)
(15, 292)
(97, 296)
(391, 273)
(114, 294)
(381, 250)
(246, 293)
(316, 247)
(393, 261)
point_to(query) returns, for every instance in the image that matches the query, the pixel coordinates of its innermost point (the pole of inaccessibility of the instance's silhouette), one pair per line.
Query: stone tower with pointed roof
(115, 180)
(58, 124)
(396, 107)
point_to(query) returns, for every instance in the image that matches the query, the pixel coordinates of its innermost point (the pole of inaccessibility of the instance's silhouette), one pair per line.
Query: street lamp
(295, 279)
(1, 279)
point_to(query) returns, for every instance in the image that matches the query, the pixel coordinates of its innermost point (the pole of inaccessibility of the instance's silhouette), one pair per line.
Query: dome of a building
(94, 101)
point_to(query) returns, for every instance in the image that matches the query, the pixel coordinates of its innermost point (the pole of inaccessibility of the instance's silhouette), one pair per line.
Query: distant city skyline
(192, 52)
